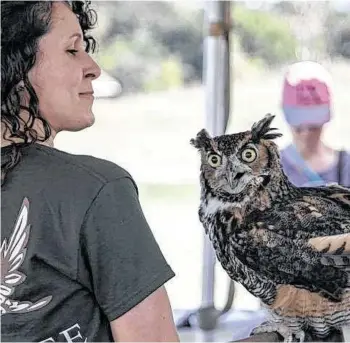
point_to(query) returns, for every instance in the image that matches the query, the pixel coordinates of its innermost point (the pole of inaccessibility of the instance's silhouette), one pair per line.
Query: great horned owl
(288, 246)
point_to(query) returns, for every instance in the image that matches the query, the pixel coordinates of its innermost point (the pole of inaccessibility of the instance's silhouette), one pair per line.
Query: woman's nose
(93, 71)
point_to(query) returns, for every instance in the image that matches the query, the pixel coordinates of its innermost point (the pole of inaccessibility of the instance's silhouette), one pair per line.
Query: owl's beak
(233, 179)
(231, 182)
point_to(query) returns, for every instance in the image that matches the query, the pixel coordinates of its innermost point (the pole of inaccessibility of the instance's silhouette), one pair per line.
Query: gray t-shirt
(339, 172)
(76, 249)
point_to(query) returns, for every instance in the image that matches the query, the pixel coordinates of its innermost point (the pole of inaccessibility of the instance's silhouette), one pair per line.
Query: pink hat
(306, 94)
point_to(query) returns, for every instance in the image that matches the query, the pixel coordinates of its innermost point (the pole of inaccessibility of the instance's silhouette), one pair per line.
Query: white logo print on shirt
(12, 256)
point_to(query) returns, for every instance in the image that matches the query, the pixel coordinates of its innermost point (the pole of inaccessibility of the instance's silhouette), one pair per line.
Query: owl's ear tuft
(202, 140)
(261, 129)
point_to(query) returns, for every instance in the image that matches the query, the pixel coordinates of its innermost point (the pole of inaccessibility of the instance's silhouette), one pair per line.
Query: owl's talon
(300, 335)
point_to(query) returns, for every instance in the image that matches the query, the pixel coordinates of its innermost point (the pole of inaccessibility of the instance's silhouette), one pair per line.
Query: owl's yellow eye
(249, 155)
(214, 160)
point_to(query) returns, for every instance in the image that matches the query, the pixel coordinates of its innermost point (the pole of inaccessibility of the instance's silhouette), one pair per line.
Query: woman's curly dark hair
(23, 23)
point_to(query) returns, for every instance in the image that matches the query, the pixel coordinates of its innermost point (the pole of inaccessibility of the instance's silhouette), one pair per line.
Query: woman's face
(307, 136)
(63, 73)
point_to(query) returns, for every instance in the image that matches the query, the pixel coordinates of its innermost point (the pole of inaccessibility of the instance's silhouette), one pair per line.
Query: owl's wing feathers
(297, 262)
(335, 250)
(303, 242)
(311, 215)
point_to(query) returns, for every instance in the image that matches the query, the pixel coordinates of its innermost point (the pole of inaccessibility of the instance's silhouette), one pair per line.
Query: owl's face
(229, 163)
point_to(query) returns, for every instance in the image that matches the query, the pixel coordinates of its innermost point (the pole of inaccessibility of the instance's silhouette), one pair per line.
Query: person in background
(307, 107)
(79, 262)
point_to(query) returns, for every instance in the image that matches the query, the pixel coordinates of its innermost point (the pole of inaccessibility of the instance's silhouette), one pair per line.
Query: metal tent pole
(217, 94)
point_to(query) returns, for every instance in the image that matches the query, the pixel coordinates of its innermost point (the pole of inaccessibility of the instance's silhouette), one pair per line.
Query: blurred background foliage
(157, 45)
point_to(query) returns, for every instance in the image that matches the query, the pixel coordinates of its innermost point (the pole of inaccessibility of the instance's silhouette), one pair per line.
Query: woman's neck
(6, 140)
(308, 152)
(318, 157)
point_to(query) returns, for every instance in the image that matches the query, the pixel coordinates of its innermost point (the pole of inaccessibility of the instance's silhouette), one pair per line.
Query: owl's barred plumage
(288, 246)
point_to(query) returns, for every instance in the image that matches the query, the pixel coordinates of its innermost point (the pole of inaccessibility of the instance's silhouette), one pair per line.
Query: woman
(307, 108)
(78, 260)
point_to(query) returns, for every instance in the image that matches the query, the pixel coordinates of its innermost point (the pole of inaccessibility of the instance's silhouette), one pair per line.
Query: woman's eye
(214, 160)
(72, 51)
(249, 155)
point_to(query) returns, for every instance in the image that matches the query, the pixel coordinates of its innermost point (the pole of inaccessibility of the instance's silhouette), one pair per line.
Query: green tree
(137, 38)
(264, 35)
(338, 34)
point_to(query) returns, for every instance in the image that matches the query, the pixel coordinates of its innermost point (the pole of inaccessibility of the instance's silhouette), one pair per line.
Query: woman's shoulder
(84, 167)
(346, 155)
(285, 155)
(344, 161)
